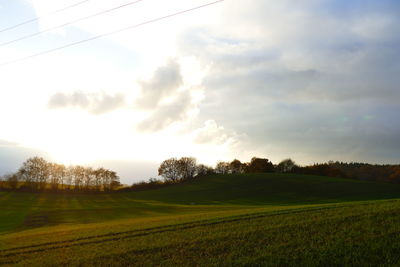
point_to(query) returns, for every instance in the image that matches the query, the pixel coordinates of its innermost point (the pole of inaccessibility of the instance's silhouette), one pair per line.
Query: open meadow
(220, 220)
(200, 133)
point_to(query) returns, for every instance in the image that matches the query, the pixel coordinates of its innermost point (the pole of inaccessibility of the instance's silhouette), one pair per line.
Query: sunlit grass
(234, 220)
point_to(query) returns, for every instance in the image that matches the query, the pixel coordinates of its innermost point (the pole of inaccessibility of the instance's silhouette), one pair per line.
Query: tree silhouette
(88, 178)
(222, 167)
(187, 167)
(12, 180)
(169, 170)
(203, 170)
(286, 165)
(260, 165)
(79, 175)
(35, 173)
(98, 174)
(237, 167)
(57, 174)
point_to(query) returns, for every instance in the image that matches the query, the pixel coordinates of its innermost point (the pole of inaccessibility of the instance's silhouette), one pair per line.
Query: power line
(69, 23)
(41, 17)
(108, 34)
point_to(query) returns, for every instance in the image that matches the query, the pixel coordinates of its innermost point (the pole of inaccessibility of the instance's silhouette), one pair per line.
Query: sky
(313, 80)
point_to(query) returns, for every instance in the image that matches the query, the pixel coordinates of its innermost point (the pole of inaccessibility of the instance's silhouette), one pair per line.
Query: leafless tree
(79, 175)
(98, 174)
(169, 170)
(222, 167)
(187, 168)
(203, 170)
(35, 172)
(57, 173)
(286, 165)
(12, 180)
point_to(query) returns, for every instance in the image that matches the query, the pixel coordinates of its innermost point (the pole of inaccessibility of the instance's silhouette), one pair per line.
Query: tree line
(36, 174)
(354, 170)
(175, 170)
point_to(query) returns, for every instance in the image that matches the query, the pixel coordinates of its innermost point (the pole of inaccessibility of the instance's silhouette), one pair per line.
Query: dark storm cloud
(316, 79)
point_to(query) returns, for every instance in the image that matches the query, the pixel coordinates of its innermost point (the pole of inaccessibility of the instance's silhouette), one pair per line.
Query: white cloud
(93, 103)
(296, 77)
(164, 83)
(167, 114)
(211, 133)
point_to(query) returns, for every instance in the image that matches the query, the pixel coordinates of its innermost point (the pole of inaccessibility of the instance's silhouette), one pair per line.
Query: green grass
(271, 189)
(231, 220)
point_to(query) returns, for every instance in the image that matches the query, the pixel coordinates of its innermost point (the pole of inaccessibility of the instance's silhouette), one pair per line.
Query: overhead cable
(69, 23)
(41, 17)
(108, 34)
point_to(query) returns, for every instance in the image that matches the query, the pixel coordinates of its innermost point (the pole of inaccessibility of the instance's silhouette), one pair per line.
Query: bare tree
(222, 167)
(69, 177)
(98, 175)
(260, 165)
(110, 180)
(62, 175)
(187, 168)
(57, 174)
(286, 165)
(169, 170)
(114, 180)
(88, 178)
(203, 170)
(12, 180)
(35, 172)
(237, 167)
(106, 180)
(79, 174)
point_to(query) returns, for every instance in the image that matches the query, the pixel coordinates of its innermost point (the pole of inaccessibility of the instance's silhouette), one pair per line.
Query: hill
(251, 219)
(270, 188)
(216, 192)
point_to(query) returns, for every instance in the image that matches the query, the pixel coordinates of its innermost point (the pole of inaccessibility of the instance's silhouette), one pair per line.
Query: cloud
(220, 143)
(165, 82)
(96, 104)
(300, 78)
(12, 155)
(167, 98)
(313, 51)
(4, 143)
(167, 114)
(212, 133)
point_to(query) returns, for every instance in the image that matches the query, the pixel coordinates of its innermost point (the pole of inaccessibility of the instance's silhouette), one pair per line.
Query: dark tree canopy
(203, 170)
(187, 167)
(260, 165)
(237, 167)
(286, 165)
(222, 167)
(169, 170)
(174, 170)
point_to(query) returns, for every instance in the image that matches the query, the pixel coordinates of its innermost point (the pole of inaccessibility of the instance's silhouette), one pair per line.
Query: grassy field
(232, 220)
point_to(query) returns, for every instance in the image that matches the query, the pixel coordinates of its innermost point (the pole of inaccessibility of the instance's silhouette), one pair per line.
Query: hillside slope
(357, 234)
(270, 188)
(221, 220)
(205, 195)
